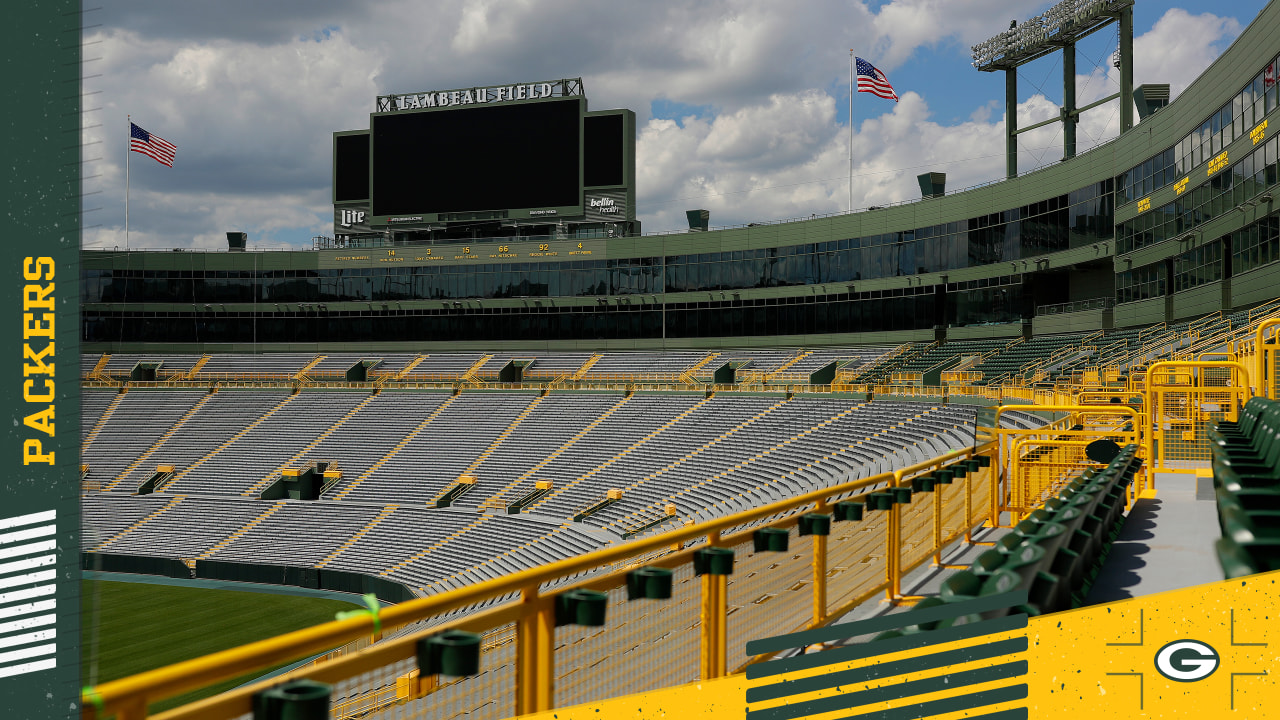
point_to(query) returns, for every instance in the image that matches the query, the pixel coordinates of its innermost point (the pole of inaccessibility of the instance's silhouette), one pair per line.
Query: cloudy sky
(742, 105)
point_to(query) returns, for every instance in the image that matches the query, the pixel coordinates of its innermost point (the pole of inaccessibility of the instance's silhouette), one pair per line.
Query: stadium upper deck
(1163, 224)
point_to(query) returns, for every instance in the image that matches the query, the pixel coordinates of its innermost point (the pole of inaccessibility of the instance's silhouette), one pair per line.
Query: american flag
(871, 80)
(153, 145)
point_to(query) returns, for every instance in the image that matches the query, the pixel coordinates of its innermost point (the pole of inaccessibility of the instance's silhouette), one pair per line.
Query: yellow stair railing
(228, 442)
(298, 457)
(102, 421)
(499, 500)
(396, 450)
(275, 507)
(630, 449)
(383, 514)
(146, 454)
(173, 503)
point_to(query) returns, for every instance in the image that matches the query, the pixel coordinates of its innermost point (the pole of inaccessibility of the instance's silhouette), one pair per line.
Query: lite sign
(480, 95)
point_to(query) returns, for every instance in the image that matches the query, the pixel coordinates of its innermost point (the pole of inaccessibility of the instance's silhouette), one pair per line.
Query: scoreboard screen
(351, 167)
(502, 157)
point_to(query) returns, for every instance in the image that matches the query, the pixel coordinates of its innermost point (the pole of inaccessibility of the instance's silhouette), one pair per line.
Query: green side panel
(40, 99)
(824, 375)
(725, 375)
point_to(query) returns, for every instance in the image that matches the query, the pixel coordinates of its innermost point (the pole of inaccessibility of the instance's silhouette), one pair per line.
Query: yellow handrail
(127, 698)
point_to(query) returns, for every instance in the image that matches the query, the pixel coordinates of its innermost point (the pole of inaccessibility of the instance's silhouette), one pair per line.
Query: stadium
(564, 461)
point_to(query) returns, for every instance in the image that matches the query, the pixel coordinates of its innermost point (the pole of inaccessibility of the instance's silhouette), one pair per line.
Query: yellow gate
(1038, 462)
(1186, 399)
(1266, 370)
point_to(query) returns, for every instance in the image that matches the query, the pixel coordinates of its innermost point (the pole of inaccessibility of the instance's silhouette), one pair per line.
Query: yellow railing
(548, 665)
(540, 666)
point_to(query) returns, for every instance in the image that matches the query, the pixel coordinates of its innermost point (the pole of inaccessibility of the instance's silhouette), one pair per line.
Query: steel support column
(1126, 69)
(1069, 116)
(1011, 122)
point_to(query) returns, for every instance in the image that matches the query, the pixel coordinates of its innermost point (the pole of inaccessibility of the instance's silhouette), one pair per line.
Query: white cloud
(252, 110)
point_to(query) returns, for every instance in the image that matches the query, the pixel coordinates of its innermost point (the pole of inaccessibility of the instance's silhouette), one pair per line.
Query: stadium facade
(1171, 221)
(1168, 221)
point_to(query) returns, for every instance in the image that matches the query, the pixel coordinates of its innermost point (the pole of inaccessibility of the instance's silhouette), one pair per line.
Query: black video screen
(351, 167)
(602, 143)
(485, 158)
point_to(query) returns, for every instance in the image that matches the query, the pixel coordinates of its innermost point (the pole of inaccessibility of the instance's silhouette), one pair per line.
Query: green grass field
(146, 626)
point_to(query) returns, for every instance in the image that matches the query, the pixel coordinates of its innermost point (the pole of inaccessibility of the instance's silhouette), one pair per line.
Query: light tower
(1058, 29)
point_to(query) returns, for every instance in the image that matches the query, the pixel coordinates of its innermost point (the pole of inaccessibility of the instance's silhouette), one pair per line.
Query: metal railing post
(820, 574)
(535, 653)
(712, 614)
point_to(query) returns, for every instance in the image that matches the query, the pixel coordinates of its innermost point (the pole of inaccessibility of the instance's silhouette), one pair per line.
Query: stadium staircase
(404, 371)
(889, 362)
(647, 515)
(446, 582)
(473, 525)
(191, 374)
(693, 454)
(383, 514)
(469, 376)
(499, 499)
(102, 421)
(300, 456)
(301, 375)
(228, 442)
(786, 366)
(630, 449)
(689, 377)
(177, 499)
(395, 450)
(98, 371)
(275, 507)
(586, 367)
(190, 413)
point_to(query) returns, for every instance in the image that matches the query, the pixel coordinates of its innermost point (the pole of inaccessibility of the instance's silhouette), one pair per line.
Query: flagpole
(127, 152)
(851, 131)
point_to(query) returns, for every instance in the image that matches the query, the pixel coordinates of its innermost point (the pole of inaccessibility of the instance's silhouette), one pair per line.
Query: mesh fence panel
(768, 594)
(917, 528)
(953, 498)
(645, 645)
(856, 559)
(385, 693)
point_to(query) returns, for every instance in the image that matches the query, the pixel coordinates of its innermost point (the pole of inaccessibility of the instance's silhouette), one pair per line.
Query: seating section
(399, 450)
(1246, 477)
(269, 365)
(654, 365)
(259, 450)
(105, 515)
(1054, 554)
(138, 420)
(188, 528)
(1023, 359)
(219, 419)
(443, 365)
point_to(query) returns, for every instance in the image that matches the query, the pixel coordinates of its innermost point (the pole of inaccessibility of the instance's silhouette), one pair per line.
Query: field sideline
(191, 621)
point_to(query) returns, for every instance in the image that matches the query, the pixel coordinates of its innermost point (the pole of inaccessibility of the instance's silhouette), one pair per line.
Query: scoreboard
(514, 155)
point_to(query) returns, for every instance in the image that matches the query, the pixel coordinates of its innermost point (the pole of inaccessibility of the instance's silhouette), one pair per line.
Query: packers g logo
(1187, 660)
